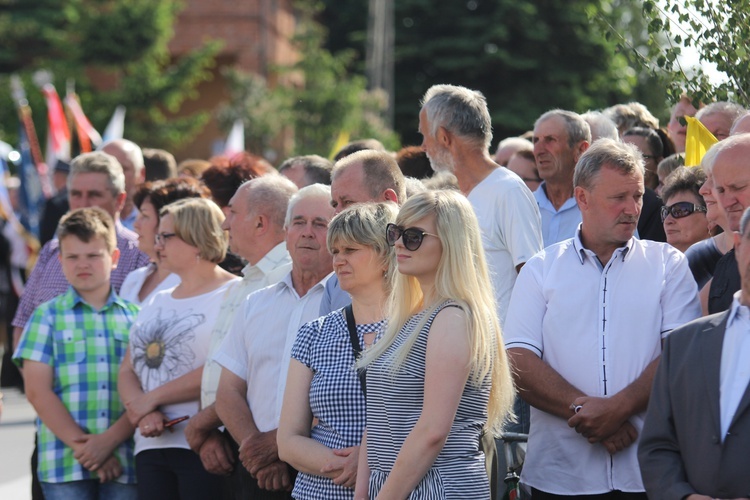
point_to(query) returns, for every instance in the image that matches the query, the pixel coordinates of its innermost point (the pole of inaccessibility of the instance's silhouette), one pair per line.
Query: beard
(442, 161)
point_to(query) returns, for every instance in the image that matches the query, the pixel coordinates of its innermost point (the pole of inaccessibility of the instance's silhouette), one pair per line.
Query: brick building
(256, 35)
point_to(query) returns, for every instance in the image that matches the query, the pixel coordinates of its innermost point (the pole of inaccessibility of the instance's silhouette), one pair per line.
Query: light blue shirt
(334, 297)
(557, 225)
(735, 369)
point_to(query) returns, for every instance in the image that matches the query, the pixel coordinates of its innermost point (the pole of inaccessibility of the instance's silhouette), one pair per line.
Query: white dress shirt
(258, 347)
(735, 367)
(267, 271)
(598, 327)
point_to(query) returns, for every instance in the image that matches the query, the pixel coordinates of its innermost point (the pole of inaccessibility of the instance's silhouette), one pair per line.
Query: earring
(197, 258)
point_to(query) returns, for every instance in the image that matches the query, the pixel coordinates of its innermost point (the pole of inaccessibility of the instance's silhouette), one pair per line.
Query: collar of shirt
(541, 198)
(287, 282)
(73, 299)
(270, 261)
(583, 252)
(738, 312)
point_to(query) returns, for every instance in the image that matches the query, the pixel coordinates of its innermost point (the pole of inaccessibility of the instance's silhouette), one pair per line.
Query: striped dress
(394, 404)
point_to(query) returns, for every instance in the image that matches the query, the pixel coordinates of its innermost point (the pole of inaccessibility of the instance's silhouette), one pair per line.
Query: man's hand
(196, 435)
(138, 408)
(275, 477)
(152, 425)
(216, 454)
(597, 419)
(344, 466)
(109, 470)
(258, 451)
(624, 437)
(93, 451)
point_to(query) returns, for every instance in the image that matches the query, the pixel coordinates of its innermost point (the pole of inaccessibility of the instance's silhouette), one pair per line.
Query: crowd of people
(363, 327)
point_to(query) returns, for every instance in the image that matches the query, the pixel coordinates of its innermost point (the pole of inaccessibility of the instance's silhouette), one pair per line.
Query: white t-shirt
(170, 338)
(511, 229)
(133, 283)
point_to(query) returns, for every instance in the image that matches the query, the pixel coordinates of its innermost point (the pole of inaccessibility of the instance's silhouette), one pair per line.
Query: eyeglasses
(161, 238)
(411, 237)
(680, 209)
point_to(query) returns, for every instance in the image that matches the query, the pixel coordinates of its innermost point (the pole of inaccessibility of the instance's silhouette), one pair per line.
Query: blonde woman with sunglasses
(439, 376)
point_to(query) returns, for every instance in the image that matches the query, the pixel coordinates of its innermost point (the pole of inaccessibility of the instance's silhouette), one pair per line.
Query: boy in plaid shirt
(70, 351)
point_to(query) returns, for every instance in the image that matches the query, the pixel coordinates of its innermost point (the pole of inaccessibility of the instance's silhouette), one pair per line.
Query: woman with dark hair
(684, 210)
(150, 198)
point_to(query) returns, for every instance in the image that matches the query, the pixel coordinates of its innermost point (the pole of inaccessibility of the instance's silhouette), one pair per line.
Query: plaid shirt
(47, 280)
(85, 348)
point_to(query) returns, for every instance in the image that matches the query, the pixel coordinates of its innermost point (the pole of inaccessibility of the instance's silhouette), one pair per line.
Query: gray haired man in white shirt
(255, 353)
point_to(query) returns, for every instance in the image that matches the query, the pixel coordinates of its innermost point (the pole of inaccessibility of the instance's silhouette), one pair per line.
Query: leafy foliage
(526, 56)
(319, 101)
(718, 31)
(120, 44)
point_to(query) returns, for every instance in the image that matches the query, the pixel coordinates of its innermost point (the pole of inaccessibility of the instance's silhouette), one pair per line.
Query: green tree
(526, 56)
(717, 31)
(324, 99)
(122, 43)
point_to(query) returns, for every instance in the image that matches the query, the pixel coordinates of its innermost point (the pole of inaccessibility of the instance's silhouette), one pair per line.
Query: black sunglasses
(411, 237)
(680, 209)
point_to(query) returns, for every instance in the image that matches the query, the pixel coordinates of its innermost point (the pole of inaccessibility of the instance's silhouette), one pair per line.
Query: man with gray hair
(306, 170)
(601, 126)
(95, 180)
(729, 169)
(718, 117)
(255, 222)
(560, 138)
(361, 177)
(130, 157)
(584, 333)
(456, 133)
(510, 146)
(254, 355)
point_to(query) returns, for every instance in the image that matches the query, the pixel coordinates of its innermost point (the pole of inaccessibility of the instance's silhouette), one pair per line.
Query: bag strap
(356, 348)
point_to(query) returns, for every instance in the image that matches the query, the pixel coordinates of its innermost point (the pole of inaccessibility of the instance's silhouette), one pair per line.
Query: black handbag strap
(356, 348)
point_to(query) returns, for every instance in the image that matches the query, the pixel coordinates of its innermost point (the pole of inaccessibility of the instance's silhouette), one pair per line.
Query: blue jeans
(89, 489)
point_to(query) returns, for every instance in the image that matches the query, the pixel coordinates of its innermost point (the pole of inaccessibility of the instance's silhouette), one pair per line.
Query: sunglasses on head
(680, 209)
(411, 237)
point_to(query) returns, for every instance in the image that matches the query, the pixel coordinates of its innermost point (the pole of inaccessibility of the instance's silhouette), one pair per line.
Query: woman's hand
(152, 425)
(138, 407)
(343, 467)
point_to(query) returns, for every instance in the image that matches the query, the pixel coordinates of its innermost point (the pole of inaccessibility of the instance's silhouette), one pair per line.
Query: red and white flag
(87, 134)
(58, 133)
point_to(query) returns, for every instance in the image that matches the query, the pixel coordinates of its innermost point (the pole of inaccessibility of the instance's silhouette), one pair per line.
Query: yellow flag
(698, 141)
(341, 141)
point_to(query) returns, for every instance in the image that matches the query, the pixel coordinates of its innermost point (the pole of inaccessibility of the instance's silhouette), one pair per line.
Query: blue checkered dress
(336, 397)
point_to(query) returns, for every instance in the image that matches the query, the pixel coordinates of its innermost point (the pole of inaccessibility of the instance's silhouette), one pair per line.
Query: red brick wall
(256, 35)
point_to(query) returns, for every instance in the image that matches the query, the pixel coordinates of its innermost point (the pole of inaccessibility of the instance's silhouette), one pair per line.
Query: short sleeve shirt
(598, 326)
(336, 397)
(85, 347)
(511, 229)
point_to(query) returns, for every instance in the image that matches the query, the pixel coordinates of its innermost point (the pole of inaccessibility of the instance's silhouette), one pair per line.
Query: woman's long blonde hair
(462, 275)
